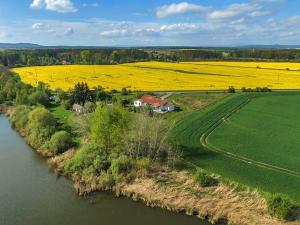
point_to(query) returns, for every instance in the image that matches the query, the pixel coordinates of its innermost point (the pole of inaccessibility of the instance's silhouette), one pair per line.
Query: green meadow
(249, 138)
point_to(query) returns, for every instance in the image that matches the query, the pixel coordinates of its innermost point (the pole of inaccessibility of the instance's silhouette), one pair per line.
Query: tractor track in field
(213, 127)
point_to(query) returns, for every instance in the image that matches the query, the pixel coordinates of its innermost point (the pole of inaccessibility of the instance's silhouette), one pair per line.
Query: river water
(31, 195)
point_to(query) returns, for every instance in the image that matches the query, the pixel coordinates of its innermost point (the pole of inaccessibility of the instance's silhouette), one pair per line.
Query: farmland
(250, 139)
(162, 76)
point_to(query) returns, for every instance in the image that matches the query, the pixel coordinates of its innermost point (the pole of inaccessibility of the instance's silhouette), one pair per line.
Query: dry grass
(178, 192)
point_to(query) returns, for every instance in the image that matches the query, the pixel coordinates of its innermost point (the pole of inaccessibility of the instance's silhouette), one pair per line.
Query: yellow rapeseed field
(162, 76)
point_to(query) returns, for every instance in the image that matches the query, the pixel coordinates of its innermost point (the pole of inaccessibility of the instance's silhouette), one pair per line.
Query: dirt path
(167, 95)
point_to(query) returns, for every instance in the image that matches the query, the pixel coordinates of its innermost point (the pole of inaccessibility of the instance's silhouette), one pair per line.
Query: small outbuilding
(78, 108)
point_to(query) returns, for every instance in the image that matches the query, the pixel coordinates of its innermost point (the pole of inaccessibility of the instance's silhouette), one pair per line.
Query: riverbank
(32, 195)
(177, 191)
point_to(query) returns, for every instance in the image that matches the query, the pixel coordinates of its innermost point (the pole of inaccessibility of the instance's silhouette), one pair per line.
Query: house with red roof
(155, 103)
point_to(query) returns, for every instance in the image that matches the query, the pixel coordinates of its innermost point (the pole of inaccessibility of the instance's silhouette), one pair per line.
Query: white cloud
(3, 35)
(131, 31)
(115, 33)
(234, 10)
(259, 13)
(69, 31)
(37, 4)
(179, 27)
(37, 26)
(61, 6)
(237, 30)
(238, 21)
(94, 5)
(180, 8)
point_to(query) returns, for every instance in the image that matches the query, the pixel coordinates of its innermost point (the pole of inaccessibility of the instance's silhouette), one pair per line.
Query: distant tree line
(268, 54)
(36, 57)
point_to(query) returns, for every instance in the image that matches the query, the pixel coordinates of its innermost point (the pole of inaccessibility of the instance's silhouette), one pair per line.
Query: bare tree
(148, 137)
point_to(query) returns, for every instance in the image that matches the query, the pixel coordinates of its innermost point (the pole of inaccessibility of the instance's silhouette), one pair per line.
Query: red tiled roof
(152, 100)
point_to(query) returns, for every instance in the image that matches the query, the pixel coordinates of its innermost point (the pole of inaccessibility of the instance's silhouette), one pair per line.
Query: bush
(124, 91)
(60, 142)
(21, 97)
(90, 107)
(231, 89)
(41, 126)
(280, 206)
(67, 104)
(39, 97)
(143, 164)
(2, 97)
(120, 167)
(203, 178)
(19, 116)
(106, 179)
(89, 156)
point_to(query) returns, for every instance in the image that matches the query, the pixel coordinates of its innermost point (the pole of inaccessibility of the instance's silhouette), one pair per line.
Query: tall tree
(81, 93)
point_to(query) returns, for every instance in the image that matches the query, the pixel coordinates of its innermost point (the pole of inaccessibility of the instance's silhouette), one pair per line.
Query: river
(30, 194)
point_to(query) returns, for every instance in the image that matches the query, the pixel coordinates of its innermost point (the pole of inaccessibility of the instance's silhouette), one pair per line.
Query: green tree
(61, 94)
(108, 126)
(231, 89)
(22, 97)
(81, 93)
(124, 91)
(19, 116)
(100, 94)
(39, 97)
(85, 56)
(2, 97)
(41, 126)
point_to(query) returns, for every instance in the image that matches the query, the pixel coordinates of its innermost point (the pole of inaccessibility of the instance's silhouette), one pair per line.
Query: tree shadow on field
(197, 152)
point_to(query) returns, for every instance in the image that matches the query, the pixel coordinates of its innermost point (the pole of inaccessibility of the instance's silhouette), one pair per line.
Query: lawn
(187, 103)
(282, 152)
(61, 115)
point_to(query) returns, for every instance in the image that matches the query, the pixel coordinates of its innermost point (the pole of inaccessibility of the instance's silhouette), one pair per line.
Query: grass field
(163, 76)
(257, 145)
(267, 130)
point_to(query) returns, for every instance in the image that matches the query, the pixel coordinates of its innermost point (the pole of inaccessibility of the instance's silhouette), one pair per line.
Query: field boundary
(204, 142)
(249, 67)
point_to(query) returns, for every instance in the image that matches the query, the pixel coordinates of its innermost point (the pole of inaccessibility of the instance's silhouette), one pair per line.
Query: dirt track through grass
(193, 131)
(205, 143)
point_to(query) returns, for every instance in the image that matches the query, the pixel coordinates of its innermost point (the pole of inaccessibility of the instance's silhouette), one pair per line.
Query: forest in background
(102, 56)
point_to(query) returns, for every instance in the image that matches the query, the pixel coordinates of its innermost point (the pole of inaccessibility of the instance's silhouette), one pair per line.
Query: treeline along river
(30, 194)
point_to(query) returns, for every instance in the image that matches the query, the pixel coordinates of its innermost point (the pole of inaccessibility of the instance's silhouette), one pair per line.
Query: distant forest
(37, 57)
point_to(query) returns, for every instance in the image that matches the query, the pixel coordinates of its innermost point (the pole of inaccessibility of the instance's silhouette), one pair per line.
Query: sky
(150, 23)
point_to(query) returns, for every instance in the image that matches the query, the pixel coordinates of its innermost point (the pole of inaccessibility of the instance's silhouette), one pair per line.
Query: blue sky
(155, 22)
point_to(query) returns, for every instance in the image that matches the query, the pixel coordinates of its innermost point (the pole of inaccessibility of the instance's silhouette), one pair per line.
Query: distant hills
(271, 46)
(19, 45)
(36, 46)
